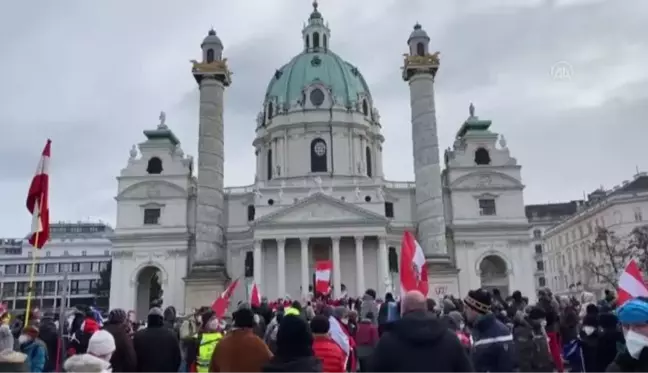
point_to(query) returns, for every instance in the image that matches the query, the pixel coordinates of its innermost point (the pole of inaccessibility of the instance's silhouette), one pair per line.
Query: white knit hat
(101, 343)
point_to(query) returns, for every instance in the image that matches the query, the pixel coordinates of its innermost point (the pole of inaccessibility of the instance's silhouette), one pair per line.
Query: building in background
(80, 249)
(542, 217)
(569, 243)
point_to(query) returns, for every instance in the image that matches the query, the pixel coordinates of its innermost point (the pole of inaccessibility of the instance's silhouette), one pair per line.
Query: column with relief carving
(281, 268)
(383, 265)
(337, 276)
(304, 267)
(360, 279)
(258, 260)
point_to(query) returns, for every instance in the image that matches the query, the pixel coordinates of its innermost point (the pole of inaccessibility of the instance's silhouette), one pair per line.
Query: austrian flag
(413, 268)
(37, 201)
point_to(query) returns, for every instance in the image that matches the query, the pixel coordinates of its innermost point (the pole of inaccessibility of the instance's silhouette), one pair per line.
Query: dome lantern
(418, 41)
(212, 47)
(316, 33)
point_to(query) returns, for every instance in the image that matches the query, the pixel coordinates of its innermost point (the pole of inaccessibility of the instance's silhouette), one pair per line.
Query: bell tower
(207, 272)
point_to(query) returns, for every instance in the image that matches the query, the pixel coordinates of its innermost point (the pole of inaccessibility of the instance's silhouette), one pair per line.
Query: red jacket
(329, 353)
(366, 334)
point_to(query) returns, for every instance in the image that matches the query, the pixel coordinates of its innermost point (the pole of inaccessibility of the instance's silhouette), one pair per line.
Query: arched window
(154, 166)
(307, 41)
(325, 40)
(210, 55)
(482, 157)
(365, 107)
(392, 260)
(318, 155)
(316, 40)
(420, 49)
(369, 165)
(270, 110)
(269, 164)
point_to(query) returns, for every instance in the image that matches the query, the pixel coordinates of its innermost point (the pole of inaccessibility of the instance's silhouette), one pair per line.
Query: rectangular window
(95, 267)
(540, 265)
(103, 266)
(50, 287)
(22, 269)
(152, 216)
(84, 287)
(389, 209)
(486, 207)
(74, 287)
(538, 249)
(21, 289)
(11, 269)
(65, 267)
(84, 253)
(50, 268)
(637, 214)
(542, 282)
(86, 267)
(76, 267)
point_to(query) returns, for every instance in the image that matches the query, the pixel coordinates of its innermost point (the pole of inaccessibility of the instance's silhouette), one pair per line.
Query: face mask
(24, 338)
(543, 323)
(588, 330)
(462, 326)
(345, 321)
(635, 343)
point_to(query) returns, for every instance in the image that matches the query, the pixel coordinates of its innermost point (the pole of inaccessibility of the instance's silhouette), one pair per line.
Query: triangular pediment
(485, 180)
(152, 189)
(320, 208)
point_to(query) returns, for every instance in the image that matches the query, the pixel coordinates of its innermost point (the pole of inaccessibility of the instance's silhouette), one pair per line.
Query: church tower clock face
(319, 148)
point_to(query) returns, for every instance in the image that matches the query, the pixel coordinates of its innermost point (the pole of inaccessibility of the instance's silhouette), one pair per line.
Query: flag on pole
(222, 302)
(631, 284)
(413, 268)
(323, 276)
(255, 296)
(37, 200)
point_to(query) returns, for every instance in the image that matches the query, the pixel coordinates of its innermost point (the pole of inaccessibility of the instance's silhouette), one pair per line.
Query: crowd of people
(482, 332)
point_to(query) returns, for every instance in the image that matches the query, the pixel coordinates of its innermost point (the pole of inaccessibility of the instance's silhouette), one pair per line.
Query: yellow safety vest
(291, 311)
(208, 344)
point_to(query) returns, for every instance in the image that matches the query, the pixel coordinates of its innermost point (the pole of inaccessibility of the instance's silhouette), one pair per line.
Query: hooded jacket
(86, 363)
(419, 342)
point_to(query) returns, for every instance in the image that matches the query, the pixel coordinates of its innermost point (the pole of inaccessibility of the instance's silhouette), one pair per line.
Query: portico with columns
(289, 243)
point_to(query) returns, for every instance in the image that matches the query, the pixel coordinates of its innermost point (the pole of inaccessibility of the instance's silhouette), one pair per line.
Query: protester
(294, 348)
(366, 338)
(156, 347)
(124, 358)
(241, 350)
(418, 342)
(34, 349)
(10, 360)
(633, 316)
(325, 349)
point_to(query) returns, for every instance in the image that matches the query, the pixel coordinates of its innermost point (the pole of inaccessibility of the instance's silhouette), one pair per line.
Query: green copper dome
(322, 66)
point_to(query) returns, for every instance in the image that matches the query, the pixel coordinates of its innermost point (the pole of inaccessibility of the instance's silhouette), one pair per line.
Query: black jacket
(123, 359)
(301, 364)
(626, 363)
(419, 342)
(493, 346)
(157, 348)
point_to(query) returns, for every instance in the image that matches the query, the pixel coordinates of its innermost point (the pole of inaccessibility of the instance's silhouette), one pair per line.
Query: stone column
(337, 275)
(304, 267)
(258, 259)
(360, 279)
(281, 268)
(383, 265)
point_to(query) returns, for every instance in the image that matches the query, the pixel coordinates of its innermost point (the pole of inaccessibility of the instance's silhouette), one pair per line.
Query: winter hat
(478, 300)
(6, 338)
(117, 316)
(320, 325)
(31, 330)
(101, 343)
(608, 320)
(244, 318)
(156, 311)
(634, 311)
(294, 338)
(456, 318)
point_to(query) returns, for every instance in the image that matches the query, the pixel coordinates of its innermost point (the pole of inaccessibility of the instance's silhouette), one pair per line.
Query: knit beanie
(294, 338)
(101, 344)
(478, 300)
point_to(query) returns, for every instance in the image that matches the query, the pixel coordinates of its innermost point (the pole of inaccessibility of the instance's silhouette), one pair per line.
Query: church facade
(320, 192)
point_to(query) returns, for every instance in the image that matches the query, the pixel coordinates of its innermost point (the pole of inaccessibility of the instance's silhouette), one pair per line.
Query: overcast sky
(92, 75)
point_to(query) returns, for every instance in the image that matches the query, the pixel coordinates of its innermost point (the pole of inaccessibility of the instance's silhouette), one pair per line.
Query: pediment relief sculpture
(152, 190)
(485, 181)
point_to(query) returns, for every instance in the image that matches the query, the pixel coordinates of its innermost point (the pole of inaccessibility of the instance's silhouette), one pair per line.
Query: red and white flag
(323, 276)
(413, 268)
(37, 201)
(222, 302)
(631, 284)
(255, 296)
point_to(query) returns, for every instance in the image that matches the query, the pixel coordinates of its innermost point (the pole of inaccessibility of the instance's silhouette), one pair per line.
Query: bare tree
(638, 245)
(608, 257)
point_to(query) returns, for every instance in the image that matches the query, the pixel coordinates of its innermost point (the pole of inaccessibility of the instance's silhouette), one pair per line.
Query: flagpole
(32, 272)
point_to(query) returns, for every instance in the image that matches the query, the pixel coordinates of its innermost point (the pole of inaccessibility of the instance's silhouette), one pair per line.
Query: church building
(320, 192)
